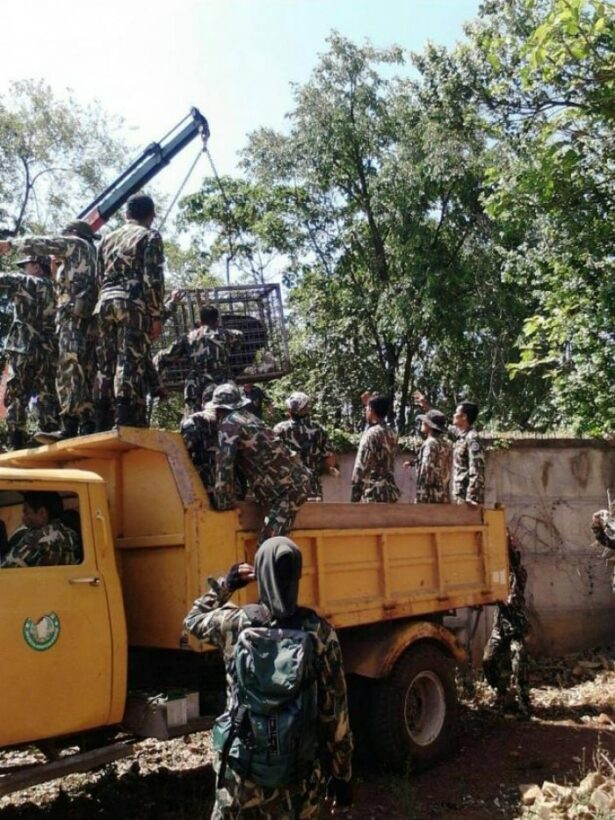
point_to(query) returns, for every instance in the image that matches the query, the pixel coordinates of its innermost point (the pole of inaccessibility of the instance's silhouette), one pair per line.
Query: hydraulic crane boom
(145, 167)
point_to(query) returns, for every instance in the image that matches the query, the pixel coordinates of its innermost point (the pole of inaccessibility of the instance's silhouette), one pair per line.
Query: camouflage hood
(278, 566)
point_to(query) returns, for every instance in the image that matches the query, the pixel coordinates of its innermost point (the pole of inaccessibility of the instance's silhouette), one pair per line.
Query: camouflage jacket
(309, 440)
(434, 471)
(468, 467)
(214, 620)
(200, 434)
(208, 351)
(51, 545)
(604, 532)
(373, 476)
(270, 468)
(75, 283)
(130, 269)
(33, 311)
(512, 616)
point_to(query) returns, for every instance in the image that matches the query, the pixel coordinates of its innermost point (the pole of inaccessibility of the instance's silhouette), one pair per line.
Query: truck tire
(414, 710)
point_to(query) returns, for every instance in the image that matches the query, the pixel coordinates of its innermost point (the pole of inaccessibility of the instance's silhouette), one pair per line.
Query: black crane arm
(145, 167)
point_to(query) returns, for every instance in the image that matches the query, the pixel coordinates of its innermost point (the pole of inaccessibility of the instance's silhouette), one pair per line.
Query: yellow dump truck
(77, 639)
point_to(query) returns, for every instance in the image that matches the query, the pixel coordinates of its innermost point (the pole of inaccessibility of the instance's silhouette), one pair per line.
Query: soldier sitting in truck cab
(46, 541)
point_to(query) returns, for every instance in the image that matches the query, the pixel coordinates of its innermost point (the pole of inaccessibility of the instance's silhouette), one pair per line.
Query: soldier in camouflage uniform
(29, 347)
(46, 541)
(373, 478)
(468, 457)
(603, 527)
(214, 620)
(278, 479)
(306, 438)
(130, 278)
(506, 645)
(259, 400)
(208, 348)
(434, 461)
(76, 296)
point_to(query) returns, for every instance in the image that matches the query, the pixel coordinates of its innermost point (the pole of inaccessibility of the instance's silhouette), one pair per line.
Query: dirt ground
(572, 729)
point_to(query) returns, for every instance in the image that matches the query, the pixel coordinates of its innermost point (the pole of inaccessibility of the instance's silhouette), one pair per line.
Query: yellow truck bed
(363, 564)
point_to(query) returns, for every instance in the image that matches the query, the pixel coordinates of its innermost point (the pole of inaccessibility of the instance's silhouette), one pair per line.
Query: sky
(235, 60)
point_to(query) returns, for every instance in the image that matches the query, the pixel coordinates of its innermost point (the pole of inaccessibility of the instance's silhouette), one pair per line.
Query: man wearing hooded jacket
(217, 621)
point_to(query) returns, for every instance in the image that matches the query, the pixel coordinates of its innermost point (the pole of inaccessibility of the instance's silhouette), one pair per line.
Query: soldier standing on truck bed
(373, 477)
(30, 346)
(507, 640)
(468, 455)
(131, 290)
(208, 347)
(307, 438)
(278, 479)
(434, 459)
(255, 778)
(75, 287)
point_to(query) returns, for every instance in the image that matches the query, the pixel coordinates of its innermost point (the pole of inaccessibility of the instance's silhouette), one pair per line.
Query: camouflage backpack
(269, 734)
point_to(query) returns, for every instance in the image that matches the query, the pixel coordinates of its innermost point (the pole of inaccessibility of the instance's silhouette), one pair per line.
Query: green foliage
(447, 232)
(54, 155)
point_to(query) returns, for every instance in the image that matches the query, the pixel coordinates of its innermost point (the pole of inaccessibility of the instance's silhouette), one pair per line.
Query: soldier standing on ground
(259, 400)
(603, 528)
(434, 461)
(217, 621)
(75, 287)
(468, 456)
(373, 477)
(507, 640)
(279, 481)
(46, 541)
(29, 345)
(307, 438)
(131, 290)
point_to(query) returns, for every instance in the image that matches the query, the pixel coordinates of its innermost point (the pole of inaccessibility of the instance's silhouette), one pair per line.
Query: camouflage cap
(434, 419)
(79, 227)
(43, 261)
(298, 403)
(227, 396)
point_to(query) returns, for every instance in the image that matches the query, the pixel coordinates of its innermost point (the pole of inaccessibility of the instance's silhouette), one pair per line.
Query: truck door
(55, 631)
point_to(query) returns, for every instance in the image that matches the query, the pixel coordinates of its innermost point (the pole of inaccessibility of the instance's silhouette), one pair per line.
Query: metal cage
(256, 310)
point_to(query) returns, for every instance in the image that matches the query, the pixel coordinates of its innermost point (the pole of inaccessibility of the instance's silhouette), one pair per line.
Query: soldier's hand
(176, 296)
(5, 246)
(156, 329)
(408, 464)
(239, 575)
(421, 400)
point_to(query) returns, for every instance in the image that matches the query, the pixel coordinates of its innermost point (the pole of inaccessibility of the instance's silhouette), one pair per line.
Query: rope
(180, 189)
(229, 211)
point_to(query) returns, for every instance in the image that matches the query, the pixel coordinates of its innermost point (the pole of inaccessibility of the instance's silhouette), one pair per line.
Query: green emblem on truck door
(42, 634)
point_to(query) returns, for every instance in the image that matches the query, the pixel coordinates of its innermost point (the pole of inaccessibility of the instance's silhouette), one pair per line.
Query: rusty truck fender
(372, 651)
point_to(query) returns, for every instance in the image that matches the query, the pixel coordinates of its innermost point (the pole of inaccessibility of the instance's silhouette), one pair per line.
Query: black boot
(16, 439)
(87, 427)
(123, 415)
(70, 429)
(102, 415)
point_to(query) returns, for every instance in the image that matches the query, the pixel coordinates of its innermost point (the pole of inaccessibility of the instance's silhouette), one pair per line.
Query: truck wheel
(414, 711)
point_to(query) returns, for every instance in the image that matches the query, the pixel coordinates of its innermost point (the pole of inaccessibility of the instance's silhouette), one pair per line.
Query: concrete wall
(550, 488)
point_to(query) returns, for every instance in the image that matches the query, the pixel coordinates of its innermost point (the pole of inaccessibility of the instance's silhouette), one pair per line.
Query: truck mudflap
(373, 651)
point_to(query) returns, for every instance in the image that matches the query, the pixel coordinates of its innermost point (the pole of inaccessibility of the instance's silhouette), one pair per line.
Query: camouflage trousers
(194, 386)
(31, 376)
(506, 653)
(123, 346)
(282, 504)
(77, 367)
(380, 491)
(242, 800)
